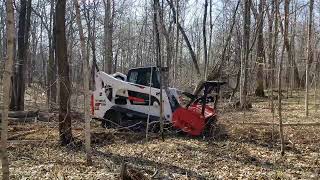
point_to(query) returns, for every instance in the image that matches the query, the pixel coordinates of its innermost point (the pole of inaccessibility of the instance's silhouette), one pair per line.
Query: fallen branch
(31, 141)
(22, 114)
(276, 124)
(21, 134)
(15, 120)
(46, 117)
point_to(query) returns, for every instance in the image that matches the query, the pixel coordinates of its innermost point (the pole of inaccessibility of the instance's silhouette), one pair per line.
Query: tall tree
(18, 86)
(310, 56)
(65, 131)
(275, 5)
(6, 87)
(176, 45)
(295, 80)
(166, 33)
(91, 25)
(86, 82)
(156, 20)
(246, 53)
(260, 51)
(286, 20)
(52, 65)
(204, 33)
(108, 31)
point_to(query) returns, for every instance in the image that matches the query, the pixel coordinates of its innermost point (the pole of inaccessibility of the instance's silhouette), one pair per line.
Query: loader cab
(142, 76)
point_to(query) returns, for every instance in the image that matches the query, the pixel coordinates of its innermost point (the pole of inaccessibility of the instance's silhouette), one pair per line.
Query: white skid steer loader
(136, 96)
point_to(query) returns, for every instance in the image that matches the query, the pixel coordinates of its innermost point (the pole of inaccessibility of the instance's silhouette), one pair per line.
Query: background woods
(267, 51)
(120, 38)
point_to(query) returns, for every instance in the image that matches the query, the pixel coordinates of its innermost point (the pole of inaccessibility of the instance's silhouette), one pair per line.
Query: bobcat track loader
(136, 96)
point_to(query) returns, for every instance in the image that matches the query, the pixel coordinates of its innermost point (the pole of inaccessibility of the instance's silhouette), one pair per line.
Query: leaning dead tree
(185, 37)
(6, 87)
(215, 74)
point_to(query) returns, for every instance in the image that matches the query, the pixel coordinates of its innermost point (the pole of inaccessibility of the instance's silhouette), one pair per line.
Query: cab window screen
(142, 77)
(133, 77)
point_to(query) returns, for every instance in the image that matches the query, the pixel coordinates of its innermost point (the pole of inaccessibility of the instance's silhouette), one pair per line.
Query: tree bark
(166, 33)
(108, 31)
(280, 72)
(274, 49)
(91, 24)
(18, 86)
(310, 56)
(52, 67)
(158, 58)
(6, 87)
(175, 62)
(296, 79)
(260, 51)
(85, 85)
(204, 33)
(65, 132)
(270, 44)
(246, 52)
(279, 100)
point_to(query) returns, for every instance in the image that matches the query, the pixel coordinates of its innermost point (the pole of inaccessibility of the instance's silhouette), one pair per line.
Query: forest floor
(239, 150)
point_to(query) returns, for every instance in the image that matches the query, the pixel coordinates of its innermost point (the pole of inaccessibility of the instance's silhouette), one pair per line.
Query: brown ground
(247, 151)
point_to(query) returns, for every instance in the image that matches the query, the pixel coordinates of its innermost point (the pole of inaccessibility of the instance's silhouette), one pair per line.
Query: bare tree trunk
(210, 35)
(287, 46)
(6, 88)
(2, 24)
(65, 131)
(274, 50)
(204, 33)
(295, 72)
(166, 33)
(108, 31)
(286, 16)
(270, 40)
(158, 56)
(310, 56)
(245, 56)
(295, 80)
(260, 51)
(91, 25)
(32, 52)
(52, 67)
(86, 84)
(18, 86)
(177, 45)
(280, 103)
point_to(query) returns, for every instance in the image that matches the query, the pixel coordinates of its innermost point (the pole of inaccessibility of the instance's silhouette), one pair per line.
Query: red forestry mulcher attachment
(197, 117)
